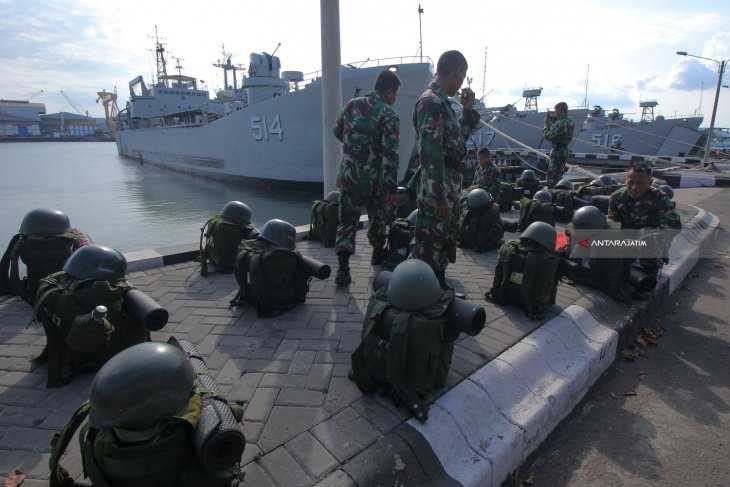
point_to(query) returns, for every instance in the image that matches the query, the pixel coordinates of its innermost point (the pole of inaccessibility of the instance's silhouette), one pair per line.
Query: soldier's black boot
(379, 256)
(343, 270)
(441, 276)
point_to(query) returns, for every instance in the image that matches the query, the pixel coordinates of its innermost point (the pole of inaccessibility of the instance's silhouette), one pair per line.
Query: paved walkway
(305, 423)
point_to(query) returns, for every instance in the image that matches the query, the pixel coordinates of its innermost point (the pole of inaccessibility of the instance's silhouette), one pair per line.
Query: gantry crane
(111, 109)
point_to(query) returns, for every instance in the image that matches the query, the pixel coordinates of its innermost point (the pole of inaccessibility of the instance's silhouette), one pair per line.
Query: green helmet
(564, 184)
(667, 189)
(333, 197)
(402, 196)
(479, 198)
(237, 212)
(543, 196)
(413, 286)
(42, 222)
(96, 262)
(528, 175)
(279, 232)
(607, 179)
(412, 217)
(589, 218)
(541, 233)
(597, 182)
(140, 386)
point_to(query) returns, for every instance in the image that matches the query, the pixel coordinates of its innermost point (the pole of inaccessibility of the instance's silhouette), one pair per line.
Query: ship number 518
(262, 131)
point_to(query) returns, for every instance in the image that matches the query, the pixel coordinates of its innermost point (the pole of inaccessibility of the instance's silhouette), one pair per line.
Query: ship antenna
(277, 48)
(160, 60)
(585, 100)
(420, 33)
(484, 74)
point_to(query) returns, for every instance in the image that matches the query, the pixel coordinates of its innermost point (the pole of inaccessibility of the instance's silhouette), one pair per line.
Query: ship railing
(369, 63)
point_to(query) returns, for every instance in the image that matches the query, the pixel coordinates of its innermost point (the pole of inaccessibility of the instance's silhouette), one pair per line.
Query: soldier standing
(441, 142)
(368, 128)
(559, 131)
(487, 176)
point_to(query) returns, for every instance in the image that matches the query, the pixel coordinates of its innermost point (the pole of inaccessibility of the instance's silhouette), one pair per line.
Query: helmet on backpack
(333, 197)
(479, 198)
(279, 232)
(412, 217)
(96, 262)
(607, 179)
(598, 183)
(43, 222)
(140, 386)
(528, 175)
(543, 196)
(564, 184)
(667, 189)
(413, 286)
(541, 233)
(589, 218)
(237, 212)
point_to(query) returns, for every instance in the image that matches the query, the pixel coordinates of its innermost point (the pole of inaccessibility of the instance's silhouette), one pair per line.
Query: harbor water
(122, 203)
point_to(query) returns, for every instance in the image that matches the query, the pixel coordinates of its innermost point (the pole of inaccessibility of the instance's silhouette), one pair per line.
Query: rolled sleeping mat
(461, 314)
(600, 202)
(144, 310)
(579, 202)
(313, 267)
(641, 280)
(218, 441)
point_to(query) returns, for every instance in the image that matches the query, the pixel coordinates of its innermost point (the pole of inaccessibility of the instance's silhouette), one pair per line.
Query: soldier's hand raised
(467, 98)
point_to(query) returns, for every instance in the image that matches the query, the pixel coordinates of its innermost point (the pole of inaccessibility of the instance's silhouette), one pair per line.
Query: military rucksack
(222, 239)
(269, 277)
(535, 211)
(42, 256)
(527, 276)
(400, 235)
(564, 198)
(323, 221)
(481, 229)
(75, 338)
(591, 189)
(406, 352)
(506, 196)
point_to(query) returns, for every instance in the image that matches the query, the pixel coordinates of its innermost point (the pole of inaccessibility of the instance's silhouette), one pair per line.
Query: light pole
(721, 70)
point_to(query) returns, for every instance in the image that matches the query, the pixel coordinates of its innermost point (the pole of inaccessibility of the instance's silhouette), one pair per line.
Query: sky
(625, 50)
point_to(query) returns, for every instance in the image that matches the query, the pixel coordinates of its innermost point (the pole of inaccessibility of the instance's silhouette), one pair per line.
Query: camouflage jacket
(369, 130)
(487, 177)
(440, 136)
(560, 132)
(654, 210)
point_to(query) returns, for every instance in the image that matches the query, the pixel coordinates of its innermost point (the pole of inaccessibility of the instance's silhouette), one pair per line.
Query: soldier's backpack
(481, 229)
(400, 235)
(406, 352)
(269, 277)
(564, 198)
(220, 243)
(506, 196)
(535, 211)
(323, 221)
(42, 256)
(591, 189)
(527, 276)
(76, 340)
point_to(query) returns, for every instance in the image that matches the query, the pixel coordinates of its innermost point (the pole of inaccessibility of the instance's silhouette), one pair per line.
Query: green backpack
(169, 459)
(481, 230)
(269, 277)
(221, 243)
(323, 221)
(406, 352)
(527, 276)
(506, 196)
(564, 198)
(74, 337)
(42, 256)
(535, 211)
(590, 189)
(400, 235)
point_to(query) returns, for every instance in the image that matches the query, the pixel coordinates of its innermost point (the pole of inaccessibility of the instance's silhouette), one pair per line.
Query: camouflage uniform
(559, 133)
(441, 142)
(369, 131)
(488, 178)
(654, 210)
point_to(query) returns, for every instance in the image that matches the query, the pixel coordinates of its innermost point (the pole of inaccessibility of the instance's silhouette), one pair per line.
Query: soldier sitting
(487, 176)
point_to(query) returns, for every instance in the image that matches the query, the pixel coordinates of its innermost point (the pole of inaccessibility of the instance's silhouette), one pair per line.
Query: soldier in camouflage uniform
(441, 140)
(559, 131)
(368, 128)
(487, 176)
(639, 205)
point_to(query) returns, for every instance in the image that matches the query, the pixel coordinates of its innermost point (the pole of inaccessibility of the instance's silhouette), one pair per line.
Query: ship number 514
(262, 131)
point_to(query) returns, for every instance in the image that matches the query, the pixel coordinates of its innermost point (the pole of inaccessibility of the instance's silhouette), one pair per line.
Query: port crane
(71, 102)
(111, 109)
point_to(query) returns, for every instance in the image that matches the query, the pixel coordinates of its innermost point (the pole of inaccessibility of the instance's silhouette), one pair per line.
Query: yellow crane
(111, 109)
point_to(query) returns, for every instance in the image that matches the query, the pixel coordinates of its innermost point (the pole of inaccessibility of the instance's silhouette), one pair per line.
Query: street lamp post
(721, 70)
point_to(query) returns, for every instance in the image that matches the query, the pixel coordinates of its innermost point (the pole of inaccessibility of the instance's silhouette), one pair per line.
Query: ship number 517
(262, 131)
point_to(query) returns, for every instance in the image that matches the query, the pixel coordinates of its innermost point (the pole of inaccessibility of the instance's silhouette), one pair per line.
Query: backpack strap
(502, 271)
(359, 367)
(59, 476)
(9, 275)
(396, 371)
(528, 278)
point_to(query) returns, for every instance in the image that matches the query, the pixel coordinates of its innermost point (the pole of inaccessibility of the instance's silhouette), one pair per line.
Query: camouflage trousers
(556, 167)
(360, 187)
(434, 240)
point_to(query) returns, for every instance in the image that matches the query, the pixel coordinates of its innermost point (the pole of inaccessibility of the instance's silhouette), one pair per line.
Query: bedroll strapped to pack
(323, 221)
(506, 196)
(563, 198)
(527, 276)
(400, 235)
(220, 243)
(535, 211)
(480, 229)
(76, 338)
(591, 189)
(42, 256)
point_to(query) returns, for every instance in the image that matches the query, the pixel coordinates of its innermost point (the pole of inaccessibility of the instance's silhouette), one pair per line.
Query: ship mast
(484, 74)
(161, 61)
